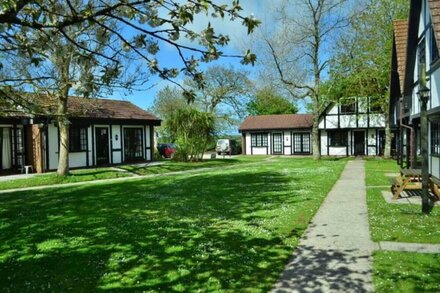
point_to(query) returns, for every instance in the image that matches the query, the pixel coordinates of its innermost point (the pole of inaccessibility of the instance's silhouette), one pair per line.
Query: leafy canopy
(267, 102)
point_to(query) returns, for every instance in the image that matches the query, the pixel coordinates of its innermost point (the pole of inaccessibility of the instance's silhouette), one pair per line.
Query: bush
(192, 131)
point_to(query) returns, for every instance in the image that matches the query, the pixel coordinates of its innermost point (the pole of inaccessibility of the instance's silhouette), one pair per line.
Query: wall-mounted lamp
(116, 137)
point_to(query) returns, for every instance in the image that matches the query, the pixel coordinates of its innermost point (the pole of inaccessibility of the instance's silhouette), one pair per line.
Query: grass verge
(75, 176)
(406, 272)
(396, 222)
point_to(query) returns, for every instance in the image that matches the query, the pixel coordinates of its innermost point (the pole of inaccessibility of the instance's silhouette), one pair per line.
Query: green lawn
(406, 272)
(109, 173)
(75, 176)
(400, 271)
(219, 230)
(396, 222)
(174, 166)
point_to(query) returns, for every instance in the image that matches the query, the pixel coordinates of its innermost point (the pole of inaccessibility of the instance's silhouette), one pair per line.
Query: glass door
(133, 146)
(277, 146)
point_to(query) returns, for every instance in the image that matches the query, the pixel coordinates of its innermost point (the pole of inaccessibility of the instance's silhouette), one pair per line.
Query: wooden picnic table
(407, 176)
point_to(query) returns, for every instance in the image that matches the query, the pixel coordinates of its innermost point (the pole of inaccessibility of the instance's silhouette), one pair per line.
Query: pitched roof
(106, 109)
(400, 28)
(79, 107)
(283, 121)
(434, 7)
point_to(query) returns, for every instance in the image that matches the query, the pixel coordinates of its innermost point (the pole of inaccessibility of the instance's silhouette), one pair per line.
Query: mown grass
(400, 271)
(406, 272)
(396, 222)
(219, 230)
(175, 166)
(74, 176)
(85, 175)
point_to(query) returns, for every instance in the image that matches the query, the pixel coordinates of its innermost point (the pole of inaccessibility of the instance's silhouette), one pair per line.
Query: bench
(395, 184)
(434, 185)
(409, 179)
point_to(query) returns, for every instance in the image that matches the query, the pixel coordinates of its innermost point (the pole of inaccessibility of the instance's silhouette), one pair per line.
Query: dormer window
(434, 47)
(348, 106)
(421, 58)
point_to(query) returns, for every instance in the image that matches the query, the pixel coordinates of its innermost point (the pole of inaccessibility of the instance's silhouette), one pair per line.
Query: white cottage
(102, 132)
(287, 134)
(353, 128)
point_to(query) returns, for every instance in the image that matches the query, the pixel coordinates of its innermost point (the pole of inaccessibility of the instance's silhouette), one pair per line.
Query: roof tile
(283, 121)
(434, 7)
(401, 41)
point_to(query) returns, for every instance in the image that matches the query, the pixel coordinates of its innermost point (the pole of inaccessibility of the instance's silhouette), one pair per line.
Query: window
(338, 138)
(133, 146)
(435, 138)
(421, 58)
(259, 139)
(301, 143)
(348, 106)
(434, 48)
(375, 106)
(78, 139)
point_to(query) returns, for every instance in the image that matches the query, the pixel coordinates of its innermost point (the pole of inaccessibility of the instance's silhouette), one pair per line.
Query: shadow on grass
(210, 232)
(173, 166)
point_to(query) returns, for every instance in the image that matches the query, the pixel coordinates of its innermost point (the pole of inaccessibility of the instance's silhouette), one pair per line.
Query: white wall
(323, 142)
(337, 151)
(259, 151)
(52, 133)
(79, 159)
(347, 121)
(435, 89)
(117, 144)
(331, 122)
(148, 143)
(435, 166)
(248, 143)
(287, 142)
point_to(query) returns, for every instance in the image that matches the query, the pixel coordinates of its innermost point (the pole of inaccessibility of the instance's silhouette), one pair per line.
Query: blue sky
(239, 39)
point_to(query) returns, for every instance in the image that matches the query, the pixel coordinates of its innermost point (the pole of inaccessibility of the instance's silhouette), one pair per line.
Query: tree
(362, 64)
(168, 101)
(267, 101)
(192, 130)
(225, 94)
(297, 51)
(90, 42)
(223, 86)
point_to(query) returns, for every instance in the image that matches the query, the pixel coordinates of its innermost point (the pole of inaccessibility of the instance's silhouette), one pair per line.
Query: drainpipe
(411, 143)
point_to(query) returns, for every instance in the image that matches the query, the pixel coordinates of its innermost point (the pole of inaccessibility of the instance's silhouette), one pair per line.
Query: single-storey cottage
(287, 134)
(102, 132)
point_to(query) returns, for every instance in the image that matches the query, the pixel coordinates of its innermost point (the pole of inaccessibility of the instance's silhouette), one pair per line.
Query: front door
(102, 145)
(277, 145)
(359, 143)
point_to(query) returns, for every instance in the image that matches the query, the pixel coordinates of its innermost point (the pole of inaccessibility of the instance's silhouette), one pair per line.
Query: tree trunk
(315, 138)
(63, 122)
(388, 138)
(63, 161)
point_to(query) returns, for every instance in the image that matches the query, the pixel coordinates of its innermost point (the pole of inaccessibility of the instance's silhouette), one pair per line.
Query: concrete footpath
(335, 253)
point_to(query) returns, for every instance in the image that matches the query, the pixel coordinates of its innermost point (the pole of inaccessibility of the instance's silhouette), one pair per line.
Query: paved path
(335, 253)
